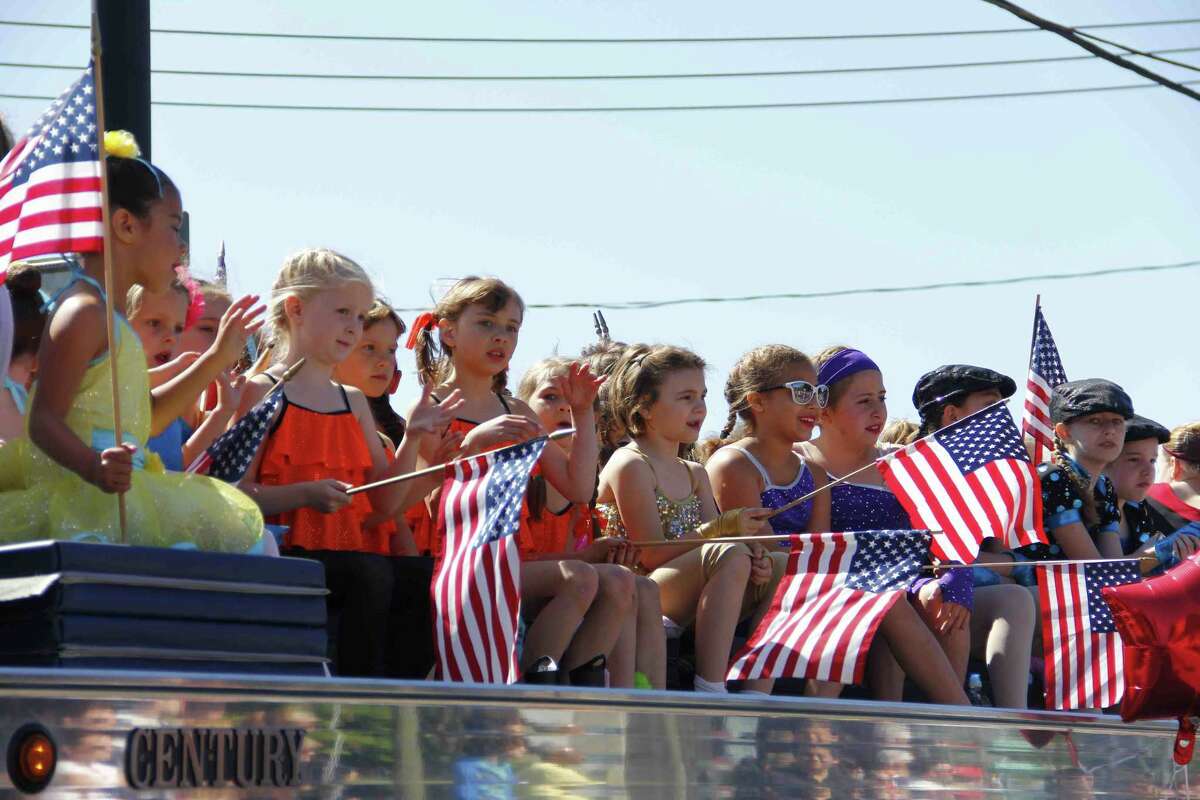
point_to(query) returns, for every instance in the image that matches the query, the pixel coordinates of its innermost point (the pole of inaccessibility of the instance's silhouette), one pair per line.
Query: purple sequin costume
(794, 520)
(859, 507)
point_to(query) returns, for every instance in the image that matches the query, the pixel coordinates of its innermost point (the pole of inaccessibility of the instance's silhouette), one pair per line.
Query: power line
(1075, 37)
(618, 76)
(631, 305)
(1134, 51)
(608, 40)
(627, 109)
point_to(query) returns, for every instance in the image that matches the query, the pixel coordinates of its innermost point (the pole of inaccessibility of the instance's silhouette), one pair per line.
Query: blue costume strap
(19, 395)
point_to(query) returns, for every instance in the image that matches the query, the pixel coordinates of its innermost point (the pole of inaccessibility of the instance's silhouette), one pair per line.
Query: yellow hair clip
(121, 144)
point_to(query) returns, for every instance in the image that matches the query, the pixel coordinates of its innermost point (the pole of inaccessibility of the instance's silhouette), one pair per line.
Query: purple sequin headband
(844, 364)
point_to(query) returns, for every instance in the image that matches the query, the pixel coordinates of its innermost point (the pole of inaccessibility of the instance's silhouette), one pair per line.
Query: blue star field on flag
(507, 482)
(886, 560)
(982, 438)
(1098, 576)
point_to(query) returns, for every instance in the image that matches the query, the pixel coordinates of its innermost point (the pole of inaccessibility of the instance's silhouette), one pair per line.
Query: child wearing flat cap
(1005, 615)
(1143, 529)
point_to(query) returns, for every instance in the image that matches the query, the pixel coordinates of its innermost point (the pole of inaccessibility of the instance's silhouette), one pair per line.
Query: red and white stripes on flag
(967, 482)
(1045, 372)
(50, 197)
(825, 612)
(476, 586)
(1080, 642)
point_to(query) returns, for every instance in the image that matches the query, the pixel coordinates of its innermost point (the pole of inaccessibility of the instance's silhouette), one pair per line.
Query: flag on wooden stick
(825, 612)
(969, 481)
(50, 193)
(477, 584)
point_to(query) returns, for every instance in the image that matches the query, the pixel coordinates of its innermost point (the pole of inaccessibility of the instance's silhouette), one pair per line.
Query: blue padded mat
(311, 670)
(47, 634)
(42, 558)
(24, 597)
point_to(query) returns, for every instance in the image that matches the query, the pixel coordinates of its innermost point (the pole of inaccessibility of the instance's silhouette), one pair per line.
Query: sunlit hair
(213, 292)
(137, 293)
(602, 358)
(756, 371)
(435, 359)
(535, 376)
(1088, 511)
(639, 375)
(1182, 448)
(539, 373)
(900, 431)
(302, 276)
(381, 310)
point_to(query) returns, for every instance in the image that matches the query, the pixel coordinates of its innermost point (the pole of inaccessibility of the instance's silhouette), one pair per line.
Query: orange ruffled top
(308, 445)
(566, 532)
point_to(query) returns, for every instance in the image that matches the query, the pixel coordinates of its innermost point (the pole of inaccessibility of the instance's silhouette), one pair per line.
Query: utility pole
(125, 41)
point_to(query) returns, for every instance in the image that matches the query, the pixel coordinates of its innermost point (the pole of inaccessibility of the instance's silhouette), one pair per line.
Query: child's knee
(617, 587)
(649, 600)
(581, 583)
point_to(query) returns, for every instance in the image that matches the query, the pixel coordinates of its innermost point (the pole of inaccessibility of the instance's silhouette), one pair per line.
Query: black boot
(543, 672)
(592, 673)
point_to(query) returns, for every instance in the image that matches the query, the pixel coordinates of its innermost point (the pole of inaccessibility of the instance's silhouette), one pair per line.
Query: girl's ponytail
(706, 449)
(428, 354)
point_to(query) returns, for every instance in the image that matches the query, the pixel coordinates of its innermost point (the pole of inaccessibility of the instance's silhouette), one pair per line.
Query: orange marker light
(32, 757)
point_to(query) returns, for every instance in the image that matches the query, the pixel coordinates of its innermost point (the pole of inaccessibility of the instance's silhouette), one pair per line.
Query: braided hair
(756, 371)
(1088, 511)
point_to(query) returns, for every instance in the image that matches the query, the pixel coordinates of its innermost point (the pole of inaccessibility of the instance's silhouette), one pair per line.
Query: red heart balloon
(1159, 621)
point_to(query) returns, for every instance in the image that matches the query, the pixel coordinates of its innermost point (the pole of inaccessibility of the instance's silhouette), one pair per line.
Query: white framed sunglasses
(804, 393)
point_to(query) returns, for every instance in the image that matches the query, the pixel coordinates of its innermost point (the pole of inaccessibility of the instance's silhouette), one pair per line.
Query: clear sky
(615, 207)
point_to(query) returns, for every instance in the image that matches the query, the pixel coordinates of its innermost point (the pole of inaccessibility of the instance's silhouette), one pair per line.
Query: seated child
(63, 485)
(29, 320)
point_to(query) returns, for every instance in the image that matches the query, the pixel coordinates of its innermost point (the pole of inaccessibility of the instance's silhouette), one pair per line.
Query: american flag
(477, 585)
(969, 481)
(828, 606)
(230, 455)
(50, 198)
(1080, 642)
(1045, 372)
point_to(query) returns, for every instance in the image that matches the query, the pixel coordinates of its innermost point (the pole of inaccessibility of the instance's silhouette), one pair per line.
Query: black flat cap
(955, 381)
(1076, 399)
(1141, 428)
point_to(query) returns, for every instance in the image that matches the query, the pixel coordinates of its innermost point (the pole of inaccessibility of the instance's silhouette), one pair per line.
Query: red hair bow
(424, 321)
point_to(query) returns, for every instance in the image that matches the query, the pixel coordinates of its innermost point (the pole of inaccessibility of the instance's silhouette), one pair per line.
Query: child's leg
(570, 587)
(602, 625)
(1002, 627)
(622, 659)
(651, 638)
(916, 651)
(727, 572)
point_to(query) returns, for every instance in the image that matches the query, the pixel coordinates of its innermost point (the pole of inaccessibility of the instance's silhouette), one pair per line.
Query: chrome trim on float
(429, 739)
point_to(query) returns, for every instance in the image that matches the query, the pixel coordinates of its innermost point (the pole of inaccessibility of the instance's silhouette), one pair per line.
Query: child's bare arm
(176, 396)
(74, 336)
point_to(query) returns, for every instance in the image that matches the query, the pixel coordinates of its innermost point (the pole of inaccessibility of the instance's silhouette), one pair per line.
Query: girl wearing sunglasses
(773, 392)
(775, 401)
(850, 426)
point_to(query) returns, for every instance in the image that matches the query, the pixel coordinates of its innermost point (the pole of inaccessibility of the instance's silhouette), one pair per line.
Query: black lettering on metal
(294, 738)
(166, 746)
(139, 765)
(198, 757)
(191, 763)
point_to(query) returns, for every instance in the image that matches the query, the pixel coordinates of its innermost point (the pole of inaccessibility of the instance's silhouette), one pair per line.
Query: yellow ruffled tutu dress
(40, 499)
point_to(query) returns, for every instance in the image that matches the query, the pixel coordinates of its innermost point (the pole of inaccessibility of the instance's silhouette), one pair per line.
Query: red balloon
(1159, 621)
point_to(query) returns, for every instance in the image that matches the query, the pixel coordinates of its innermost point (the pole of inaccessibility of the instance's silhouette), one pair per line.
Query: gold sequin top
(678, 517)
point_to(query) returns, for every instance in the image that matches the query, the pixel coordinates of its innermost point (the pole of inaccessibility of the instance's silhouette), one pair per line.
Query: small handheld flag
(477, 584)
(969, 481)
(1080, 641)
(50, 194)
(1045, 372)
(836, 591)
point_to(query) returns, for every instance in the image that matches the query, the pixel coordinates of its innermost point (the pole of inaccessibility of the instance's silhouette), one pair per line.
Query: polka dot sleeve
(1060, 499)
